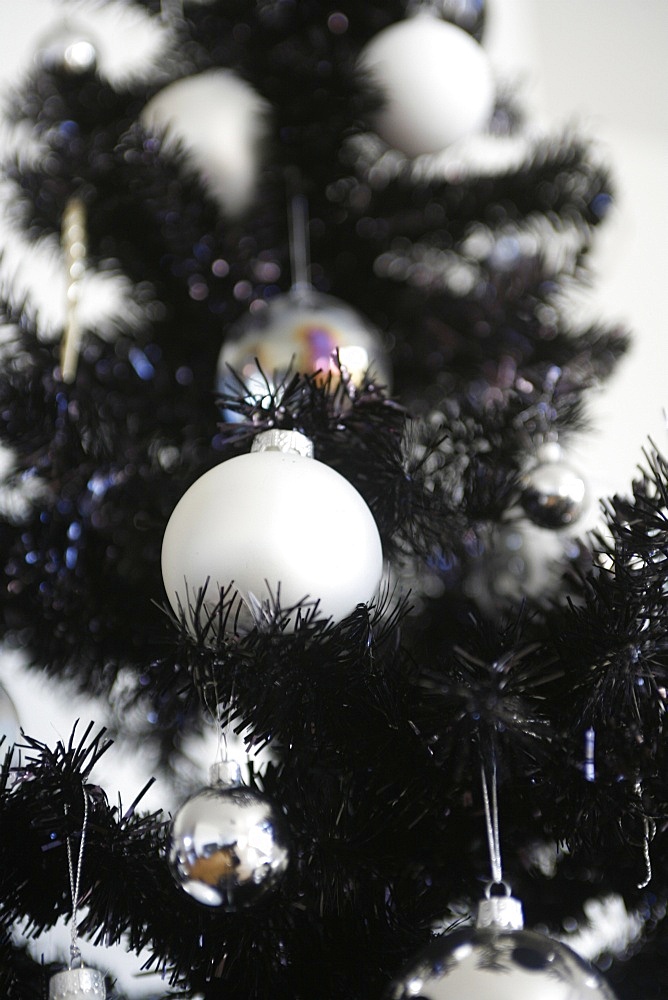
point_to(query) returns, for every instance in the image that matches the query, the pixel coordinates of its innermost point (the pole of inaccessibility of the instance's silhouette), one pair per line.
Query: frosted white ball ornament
(219, 122)
(273, 523)
(436, 82)
(499, 960)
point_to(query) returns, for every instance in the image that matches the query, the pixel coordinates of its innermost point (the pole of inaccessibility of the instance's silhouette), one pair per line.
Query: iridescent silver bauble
(300, 332)
(554, 495)
(498, 960)
(77, 984)
(227, 845)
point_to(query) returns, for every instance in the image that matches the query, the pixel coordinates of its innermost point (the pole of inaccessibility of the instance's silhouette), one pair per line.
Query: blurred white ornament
(227, 844)
(436, 81)
(77, 984)
(10, 726)
(499, 960)
(302, 331)
(554, 495)
(218, 120)
(273, 523)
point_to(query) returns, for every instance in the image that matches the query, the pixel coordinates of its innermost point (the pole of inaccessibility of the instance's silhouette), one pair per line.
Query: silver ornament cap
(289, 442)
(500, 912)
(77, 984)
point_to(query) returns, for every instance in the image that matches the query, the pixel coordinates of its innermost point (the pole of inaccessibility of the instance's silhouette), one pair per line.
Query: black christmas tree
(398, 731)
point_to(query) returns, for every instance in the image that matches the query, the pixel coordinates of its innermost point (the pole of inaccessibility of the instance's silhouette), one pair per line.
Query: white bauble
(219, 121)
(436, 81)
(272, 523)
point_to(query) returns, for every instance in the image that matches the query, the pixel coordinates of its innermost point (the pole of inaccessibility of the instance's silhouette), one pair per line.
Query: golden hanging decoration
(74, 243)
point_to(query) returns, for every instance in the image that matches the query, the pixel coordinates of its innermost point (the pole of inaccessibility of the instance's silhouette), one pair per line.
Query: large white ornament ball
(499, 964)
(272, 523)
(436, 81)
(219, 121)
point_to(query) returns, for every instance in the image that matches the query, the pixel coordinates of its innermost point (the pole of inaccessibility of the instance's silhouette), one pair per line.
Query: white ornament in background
(270, 523)
(219, 121)
(130, 44)
(437, 83)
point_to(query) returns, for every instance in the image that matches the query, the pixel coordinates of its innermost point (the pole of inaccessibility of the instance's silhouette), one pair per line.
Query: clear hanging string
(491, 804)
(75, 883)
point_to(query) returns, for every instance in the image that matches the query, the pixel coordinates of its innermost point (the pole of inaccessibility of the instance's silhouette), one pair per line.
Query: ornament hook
(75, 883)
(492, 823)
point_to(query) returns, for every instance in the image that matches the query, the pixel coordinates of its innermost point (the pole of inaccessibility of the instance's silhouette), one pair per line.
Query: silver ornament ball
(77, 984)
(301, 331)
(499, 964)
(227, 847)
(554, 495)
(66, 50)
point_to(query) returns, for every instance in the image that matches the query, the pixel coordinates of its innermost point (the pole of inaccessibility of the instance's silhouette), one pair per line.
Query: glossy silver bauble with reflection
(227, 846)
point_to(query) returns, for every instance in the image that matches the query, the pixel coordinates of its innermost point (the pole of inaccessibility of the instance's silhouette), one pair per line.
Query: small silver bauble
(499, 960)
(301, 331)
(554, 495)
(66, 50)
(228, 844)
(77, 984)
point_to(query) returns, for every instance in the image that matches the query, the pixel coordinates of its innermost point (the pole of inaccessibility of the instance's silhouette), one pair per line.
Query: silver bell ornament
(301, 331)
(227, 845)
(77, 984)
(275, 525)
(498, 960)
(554, 494)
(435, 80)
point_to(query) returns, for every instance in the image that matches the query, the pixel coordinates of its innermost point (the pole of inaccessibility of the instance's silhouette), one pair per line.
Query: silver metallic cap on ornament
(283, 440)
(500, 911)
(73, 984)
(225, 772)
